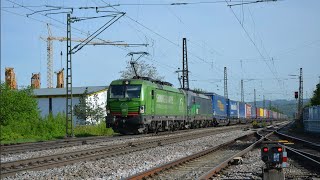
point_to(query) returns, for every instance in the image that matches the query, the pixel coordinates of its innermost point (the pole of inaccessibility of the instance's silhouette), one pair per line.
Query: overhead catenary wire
(255, 45)
(158, 34)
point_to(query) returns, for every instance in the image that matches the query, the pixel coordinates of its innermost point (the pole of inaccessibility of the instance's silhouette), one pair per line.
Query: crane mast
(50, 40)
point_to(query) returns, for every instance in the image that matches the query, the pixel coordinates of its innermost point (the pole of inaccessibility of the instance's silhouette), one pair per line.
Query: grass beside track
(49, 128)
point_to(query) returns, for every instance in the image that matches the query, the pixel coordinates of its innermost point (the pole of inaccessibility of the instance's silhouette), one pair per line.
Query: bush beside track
(20, 120)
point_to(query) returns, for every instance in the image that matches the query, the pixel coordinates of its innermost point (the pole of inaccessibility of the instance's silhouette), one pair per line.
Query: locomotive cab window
(125, 91)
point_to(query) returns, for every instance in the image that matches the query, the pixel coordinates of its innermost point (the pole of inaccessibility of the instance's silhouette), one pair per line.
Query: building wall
(59, 105)
(101, 101)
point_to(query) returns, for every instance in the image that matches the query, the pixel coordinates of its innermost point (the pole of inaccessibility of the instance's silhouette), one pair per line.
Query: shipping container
(242, 110)
(233, 109)
(261, 111)
(265, 113)
(219, 107)
(253, 112)
(274, 115)
(248, 111)
(269, 114)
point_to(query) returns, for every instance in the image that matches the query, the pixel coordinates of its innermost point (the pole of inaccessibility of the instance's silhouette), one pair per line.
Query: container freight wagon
(219, 108)
(253, 113)
(274, 115)
(248, 112)
(265, 113)
(233, 111)
(242, 112)
(261, 113)
(258, 113)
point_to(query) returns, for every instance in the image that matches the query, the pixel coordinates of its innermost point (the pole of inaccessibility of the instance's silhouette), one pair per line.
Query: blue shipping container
(219, 106)
(242, 110)
(233, 109)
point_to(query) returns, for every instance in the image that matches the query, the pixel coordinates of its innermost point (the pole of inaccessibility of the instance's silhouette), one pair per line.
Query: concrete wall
(311, 119)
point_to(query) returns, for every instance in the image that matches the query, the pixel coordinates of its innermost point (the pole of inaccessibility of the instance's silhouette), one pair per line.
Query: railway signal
(275, 158)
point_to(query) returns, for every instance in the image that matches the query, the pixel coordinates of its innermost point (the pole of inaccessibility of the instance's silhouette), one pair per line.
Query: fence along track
(45, 162)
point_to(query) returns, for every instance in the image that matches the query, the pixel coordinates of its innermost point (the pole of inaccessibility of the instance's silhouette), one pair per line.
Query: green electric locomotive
(142, 105)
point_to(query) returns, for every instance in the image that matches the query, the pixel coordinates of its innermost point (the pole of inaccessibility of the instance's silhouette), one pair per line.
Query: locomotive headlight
(141, 109)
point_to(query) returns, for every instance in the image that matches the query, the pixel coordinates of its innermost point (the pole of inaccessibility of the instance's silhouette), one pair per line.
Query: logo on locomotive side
(220, 105)
(164, 99)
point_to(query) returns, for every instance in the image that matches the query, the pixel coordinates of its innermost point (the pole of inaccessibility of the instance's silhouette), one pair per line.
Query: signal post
(275, 158)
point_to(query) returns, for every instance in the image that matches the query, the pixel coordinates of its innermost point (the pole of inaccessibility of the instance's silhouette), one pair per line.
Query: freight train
(141, 105)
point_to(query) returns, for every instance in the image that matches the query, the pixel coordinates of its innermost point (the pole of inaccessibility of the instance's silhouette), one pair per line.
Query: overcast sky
(262, 43)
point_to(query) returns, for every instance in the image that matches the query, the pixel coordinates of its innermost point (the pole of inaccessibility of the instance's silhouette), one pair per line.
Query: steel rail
(178, 162)
(224, 164)
(151, 172)
(11, 168)
(63, 143)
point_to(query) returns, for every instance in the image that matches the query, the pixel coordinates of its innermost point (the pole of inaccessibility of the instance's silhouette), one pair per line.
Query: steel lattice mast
(225, 83)
(185, 71)
(49, 59)
(300, 100)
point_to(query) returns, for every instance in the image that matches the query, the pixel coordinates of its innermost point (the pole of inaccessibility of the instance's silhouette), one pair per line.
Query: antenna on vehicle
(133, 62)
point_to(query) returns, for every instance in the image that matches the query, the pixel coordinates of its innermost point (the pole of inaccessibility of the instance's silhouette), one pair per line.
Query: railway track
(205, 164)
(70, 142)
(11, 168)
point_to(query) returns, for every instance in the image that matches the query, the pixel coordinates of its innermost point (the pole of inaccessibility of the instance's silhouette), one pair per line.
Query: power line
(256, 47)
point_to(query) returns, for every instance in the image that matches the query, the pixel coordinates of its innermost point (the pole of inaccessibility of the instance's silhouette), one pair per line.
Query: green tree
(272, 108)
(89, 109)
(315, 100)
(19, 115)
(17, 105)
(143, 69)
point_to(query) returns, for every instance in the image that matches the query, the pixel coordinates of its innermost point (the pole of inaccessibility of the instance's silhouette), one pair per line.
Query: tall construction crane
(51, 38)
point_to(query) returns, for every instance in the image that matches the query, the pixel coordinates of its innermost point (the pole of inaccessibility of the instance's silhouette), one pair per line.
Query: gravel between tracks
(33, 154)
(126, 165)
(251, 169)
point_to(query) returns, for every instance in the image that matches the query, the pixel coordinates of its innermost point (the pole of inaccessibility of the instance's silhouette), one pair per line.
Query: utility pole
(185, 71)
(254, 98)
(225, 83)
(72, 50)
(269, 104)
(69, 107)
(300, 99)
(242, 92)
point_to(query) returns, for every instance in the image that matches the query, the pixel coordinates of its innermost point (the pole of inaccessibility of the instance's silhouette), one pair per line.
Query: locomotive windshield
(125, 91)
